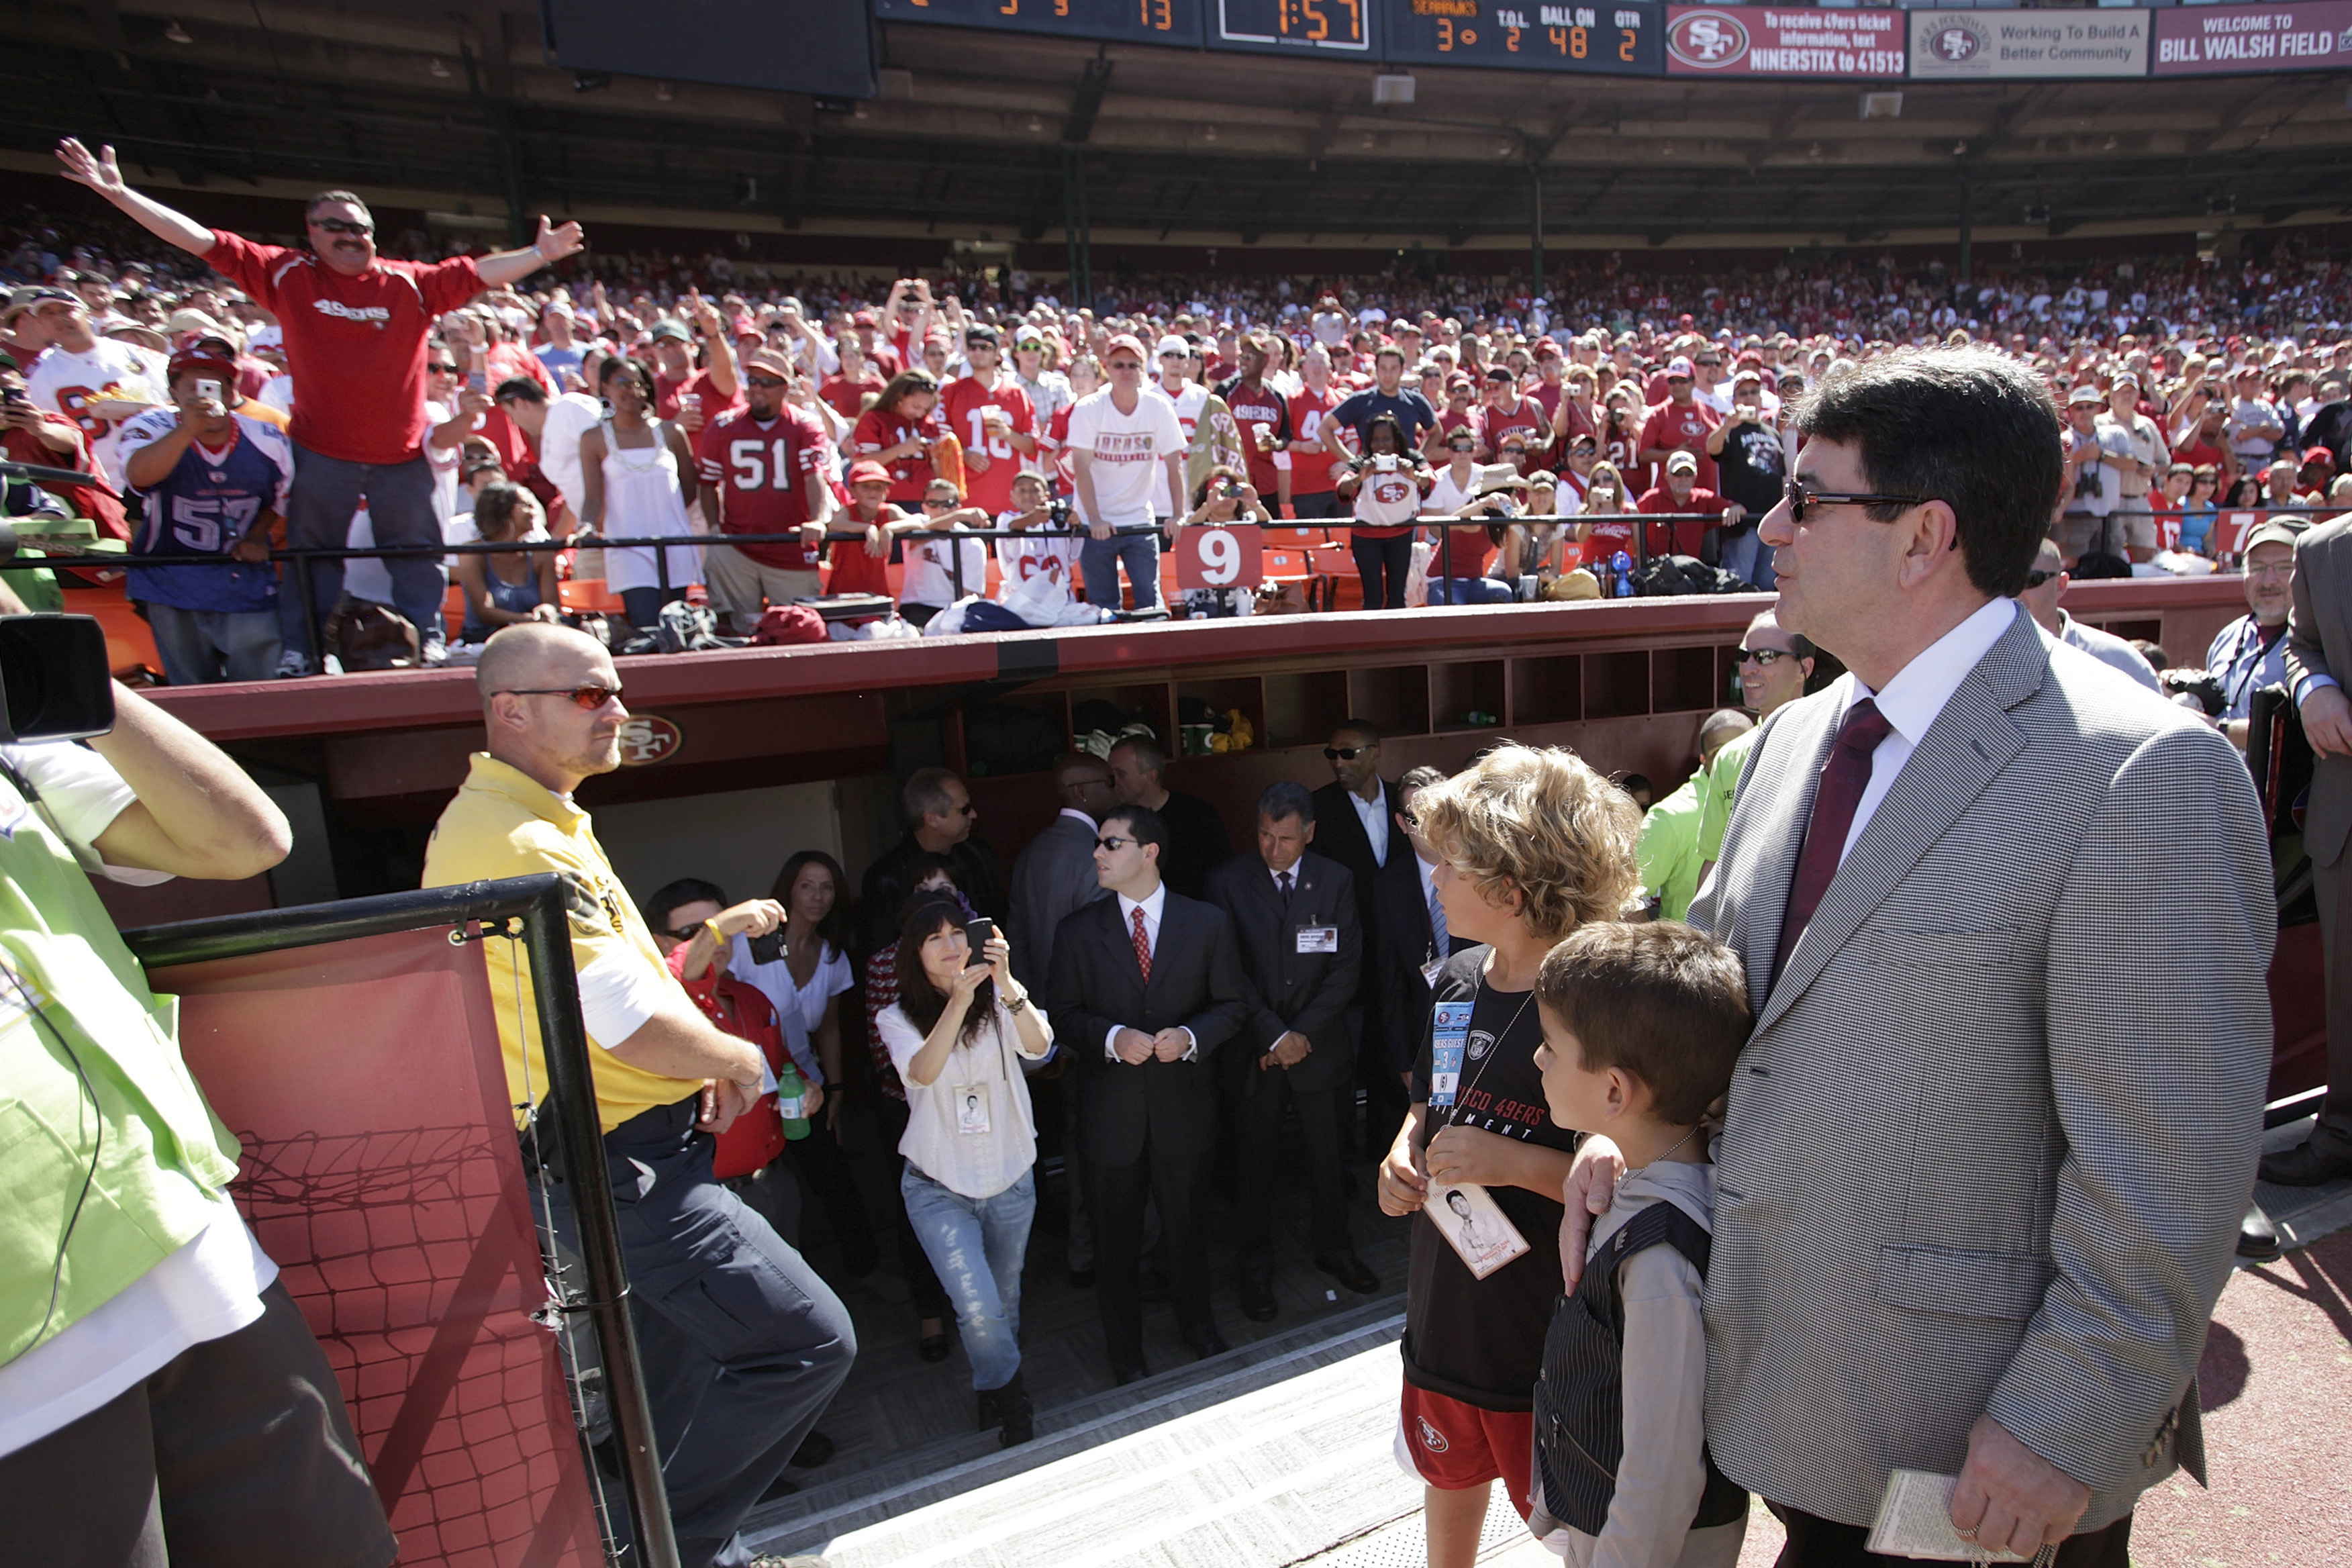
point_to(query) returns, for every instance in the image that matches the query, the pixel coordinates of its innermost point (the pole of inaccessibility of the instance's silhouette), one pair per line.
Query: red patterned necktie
(1844, 778)
(1143, 945)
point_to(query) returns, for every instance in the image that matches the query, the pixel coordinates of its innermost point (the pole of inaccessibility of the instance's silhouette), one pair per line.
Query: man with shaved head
(743, 1344)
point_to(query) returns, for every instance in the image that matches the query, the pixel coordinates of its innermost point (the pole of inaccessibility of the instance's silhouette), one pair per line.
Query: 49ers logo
(648, 738)
(1431, 1437)
(1708, 40)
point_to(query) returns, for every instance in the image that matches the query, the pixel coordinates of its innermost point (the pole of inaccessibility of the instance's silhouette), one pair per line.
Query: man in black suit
(1412, 932)
(1146, 985)
(1054, 872)
(1302, 953)
(939, 816)
(1357, 817)
(1197, 841)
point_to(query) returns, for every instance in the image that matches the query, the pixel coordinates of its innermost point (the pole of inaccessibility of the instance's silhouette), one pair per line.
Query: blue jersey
(1409, 409)
(204, 507)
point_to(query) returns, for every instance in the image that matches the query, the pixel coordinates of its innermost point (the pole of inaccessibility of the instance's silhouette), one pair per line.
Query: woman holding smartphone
(954, 1034)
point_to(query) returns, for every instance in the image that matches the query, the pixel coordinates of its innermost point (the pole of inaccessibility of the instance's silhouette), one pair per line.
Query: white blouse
(800, 1008)
(980, 1076)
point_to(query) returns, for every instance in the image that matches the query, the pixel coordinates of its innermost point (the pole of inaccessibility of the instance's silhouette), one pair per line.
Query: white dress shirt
(1918, 692)
(1374, 815)
(1151, 906)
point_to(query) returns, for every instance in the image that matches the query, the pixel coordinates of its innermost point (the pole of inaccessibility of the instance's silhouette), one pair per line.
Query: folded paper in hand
(1914, 1520)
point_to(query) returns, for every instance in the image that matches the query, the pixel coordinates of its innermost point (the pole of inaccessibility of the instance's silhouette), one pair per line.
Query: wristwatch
(1017, 1004)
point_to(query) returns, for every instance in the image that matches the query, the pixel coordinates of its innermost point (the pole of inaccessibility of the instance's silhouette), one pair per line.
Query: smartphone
(769, 948)
(209, 389)
(977, 933)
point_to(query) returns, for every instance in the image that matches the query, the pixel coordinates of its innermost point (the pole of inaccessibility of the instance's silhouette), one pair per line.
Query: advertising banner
(1619, 39)
(1996, 46)
(1765, 41)
(2235, 40)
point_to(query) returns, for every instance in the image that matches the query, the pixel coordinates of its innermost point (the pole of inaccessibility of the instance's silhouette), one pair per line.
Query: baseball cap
(1678, 365)
(199, 360)
(31, 296)
(2272, 532)
(868, 473)
(667, 327)
(770, 361)
(1128, 342)
(190, 320)
(2086, 393)
(1682, 462)
(559, 306)
(1030, 333)
(863, 319)
(1172, 344)
(2318, 455)
(980, 332)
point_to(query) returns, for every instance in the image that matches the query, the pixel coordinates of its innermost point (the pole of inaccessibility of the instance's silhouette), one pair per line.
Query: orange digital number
(1156, 15)
(1281, 16)
(1318, 25)
(1355, 20)
(1445, 34)
(1010, 7)
(1628, 38)
(1511, 39)
(1061, 8)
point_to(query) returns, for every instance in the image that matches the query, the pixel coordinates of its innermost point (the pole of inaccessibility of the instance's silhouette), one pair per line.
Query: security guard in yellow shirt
(743, 1344)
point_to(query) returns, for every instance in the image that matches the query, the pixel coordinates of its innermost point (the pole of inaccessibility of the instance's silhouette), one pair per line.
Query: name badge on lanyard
(1318, 939)
(1449, 1025)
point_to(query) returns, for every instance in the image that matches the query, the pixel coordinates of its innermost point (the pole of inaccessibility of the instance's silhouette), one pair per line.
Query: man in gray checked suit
(1987, 1150)
(2318, 663)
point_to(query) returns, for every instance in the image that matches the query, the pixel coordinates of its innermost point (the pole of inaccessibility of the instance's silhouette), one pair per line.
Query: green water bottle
(791, 1101)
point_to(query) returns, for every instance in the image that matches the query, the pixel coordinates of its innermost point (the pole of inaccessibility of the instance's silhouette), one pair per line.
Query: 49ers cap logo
(648, 738)
(1431, 1437)
(1708, 40)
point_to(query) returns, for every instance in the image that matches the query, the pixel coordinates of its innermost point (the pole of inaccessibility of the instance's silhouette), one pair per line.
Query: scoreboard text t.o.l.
(1620, 39)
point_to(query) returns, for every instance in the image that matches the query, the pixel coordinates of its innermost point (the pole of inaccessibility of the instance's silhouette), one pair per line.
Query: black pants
(1383, 565)
(643, 607)
(1316, 508)
(924, 1292)
(742, 1345)
(825, 1177)
(1115, 1196)
(237, 1454)
(1815, 1543)
(1256, 1107)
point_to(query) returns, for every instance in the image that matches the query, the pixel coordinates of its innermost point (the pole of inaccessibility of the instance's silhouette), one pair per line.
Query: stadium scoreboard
(1172, 22)
(1620, 39)
(1338, 28)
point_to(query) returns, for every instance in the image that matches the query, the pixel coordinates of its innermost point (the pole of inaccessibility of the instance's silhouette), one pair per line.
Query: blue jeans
(976, 1246)
(326, 492)
(1744, 556)
(742, 1345)
(199, 646)
(1469, 591)
(1100, 559)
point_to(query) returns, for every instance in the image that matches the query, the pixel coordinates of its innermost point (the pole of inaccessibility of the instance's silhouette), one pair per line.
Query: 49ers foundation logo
(648, 738)
(1431, 1437)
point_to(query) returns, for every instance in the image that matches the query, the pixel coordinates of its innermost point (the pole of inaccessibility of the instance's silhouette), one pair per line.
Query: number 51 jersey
(204, 507)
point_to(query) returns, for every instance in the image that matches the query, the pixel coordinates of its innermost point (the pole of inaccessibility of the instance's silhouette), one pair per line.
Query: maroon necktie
(1844, 778)
(1143, 942)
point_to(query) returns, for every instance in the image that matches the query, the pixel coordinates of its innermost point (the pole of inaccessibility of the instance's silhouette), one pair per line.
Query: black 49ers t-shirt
(1481, 1341)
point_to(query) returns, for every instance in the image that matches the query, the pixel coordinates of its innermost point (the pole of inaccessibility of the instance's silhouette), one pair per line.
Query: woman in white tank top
(637, 480)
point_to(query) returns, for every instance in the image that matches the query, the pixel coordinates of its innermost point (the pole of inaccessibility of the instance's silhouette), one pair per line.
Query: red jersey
(1255, 408)
(1679, 427)
(355, 345)
(1310, 471)
(761, 473)
(847, 397)
(744, 1011)
(1529, 417)
(1609, 536)
(1056, 440)
(1681, 538)
(910, 477)
(666, 394)
(857, 570)
(961, 405)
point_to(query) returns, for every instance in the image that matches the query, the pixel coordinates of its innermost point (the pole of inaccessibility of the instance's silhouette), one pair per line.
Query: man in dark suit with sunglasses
(1146, 987)
(1356, 825)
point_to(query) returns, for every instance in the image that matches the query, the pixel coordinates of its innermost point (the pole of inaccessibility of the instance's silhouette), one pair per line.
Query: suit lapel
(1962, 752)
(1774, 804)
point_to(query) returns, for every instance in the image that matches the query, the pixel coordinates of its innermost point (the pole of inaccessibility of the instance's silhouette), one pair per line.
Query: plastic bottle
(1621, 564)
(792, 1100)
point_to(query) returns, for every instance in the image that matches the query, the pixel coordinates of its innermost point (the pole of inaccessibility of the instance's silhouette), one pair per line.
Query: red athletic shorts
(1455, 1446)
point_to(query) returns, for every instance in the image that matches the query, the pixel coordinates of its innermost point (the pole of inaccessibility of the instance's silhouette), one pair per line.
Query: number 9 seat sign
(1220, 555)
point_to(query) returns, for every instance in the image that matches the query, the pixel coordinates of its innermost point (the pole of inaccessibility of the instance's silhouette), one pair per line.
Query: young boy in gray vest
(1642, 1025)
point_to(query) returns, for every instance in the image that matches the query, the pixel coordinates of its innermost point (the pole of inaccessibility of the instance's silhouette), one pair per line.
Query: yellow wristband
(711, 926)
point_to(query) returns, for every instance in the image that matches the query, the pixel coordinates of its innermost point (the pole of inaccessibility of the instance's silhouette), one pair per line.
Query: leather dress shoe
(1257, 1300)
(1349, 1270)
(1206, 1342)
(2258, 1239)
(2308, 1165)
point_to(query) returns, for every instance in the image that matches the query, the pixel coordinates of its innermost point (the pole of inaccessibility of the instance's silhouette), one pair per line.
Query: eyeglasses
(442, 369)
(342, 225)
(1764, 657)
(931, 503)
(2036, 578)
(587, 699)
(1799, 497)
(1112, 842)
(684, 933)
(1348, 753)
(767, 381)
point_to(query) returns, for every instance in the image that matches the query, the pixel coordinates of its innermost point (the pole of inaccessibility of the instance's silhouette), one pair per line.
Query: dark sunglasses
(1347, 754)
(442, 369)
(2036, 578)
(767, 381)
(587, 699)
(342, 225)
(931, 502)
(1764, 657)
(1799, 497)
(1113, 842)
(684, 933)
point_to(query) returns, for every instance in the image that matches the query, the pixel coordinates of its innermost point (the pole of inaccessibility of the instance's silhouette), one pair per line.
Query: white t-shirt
(1054, 556)
(68, 384)
(926, 579)
(799, 1008)
(1129, 451)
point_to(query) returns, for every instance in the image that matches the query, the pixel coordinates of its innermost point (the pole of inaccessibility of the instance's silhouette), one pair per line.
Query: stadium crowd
(548, 396)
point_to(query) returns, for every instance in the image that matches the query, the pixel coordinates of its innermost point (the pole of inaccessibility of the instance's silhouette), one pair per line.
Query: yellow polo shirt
(503, 823)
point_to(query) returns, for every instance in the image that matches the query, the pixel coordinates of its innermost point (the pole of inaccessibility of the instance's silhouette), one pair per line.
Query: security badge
(1318, 939)
(971, 1108)
(1449, 1023)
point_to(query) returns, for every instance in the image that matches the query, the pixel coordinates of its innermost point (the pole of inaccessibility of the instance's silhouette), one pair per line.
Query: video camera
(55, 683)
